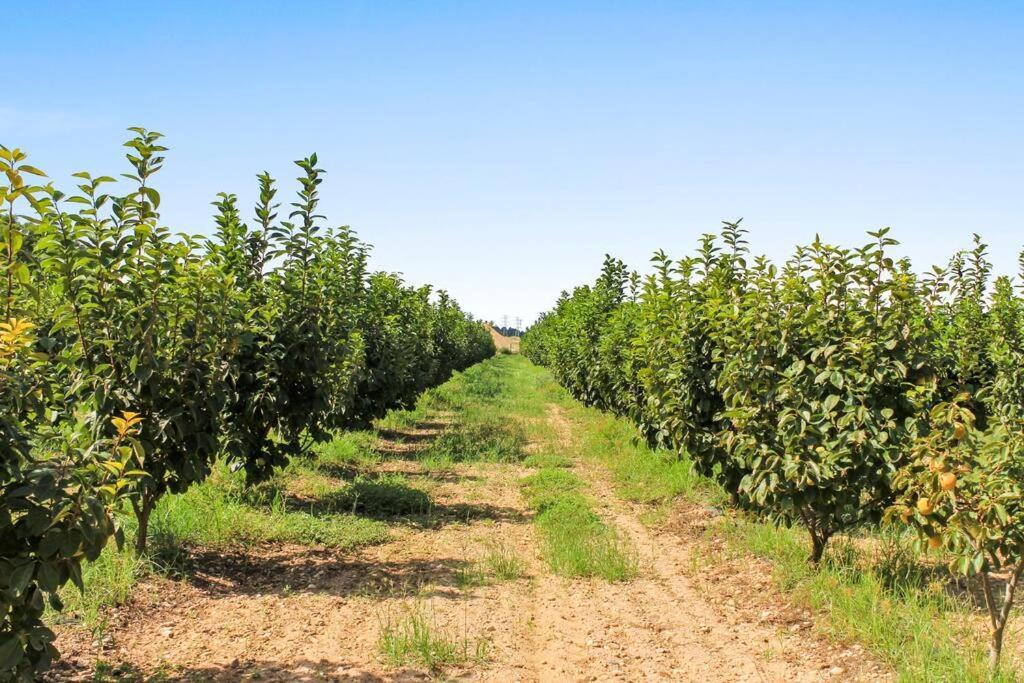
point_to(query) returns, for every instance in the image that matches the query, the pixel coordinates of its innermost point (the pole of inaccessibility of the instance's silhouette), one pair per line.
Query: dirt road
(296, 613)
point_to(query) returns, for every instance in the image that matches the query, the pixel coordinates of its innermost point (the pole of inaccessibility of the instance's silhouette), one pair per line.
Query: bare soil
(501, 342)
(296, 613)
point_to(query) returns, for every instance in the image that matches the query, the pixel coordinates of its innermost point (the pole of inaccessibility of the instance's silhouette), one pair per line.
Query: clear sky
(499, 149)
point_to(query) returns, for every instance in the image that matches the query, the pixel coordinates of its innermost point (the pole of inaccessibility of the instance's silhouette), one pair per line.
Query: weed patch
(387, 495)
(487, 438)
(575, 541)
(346, 452)
(108, 581)
(547, 461)
(204, 515)
(415, 638)
(502, 562)
(548, 486)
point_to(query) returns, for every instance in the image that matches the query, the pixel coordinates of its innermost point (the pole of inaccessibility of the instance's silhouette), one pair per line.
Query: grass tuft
(502, 562)
(415, 639)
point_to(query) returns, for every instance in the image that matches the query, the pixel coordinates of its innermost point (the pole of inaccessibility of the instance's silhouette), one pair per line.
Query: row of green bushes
(835, 391)
(132, 358)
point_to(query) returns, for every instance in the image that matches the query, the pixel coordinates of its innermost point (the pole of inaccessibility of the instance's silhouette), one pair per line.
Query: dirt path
(661, 625)
(294, 613)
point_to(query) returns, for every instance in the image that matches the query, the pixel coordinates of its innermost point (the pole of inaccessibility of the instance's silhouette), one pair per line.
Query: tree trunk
(143, 510)
(999, 614)
(818, 543)
(995, 648)
(819, 537)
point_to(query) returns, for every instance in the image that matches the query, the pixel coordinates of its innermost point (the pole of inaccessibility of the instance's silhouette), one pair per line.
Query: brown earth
(294, 613)
(510, 344)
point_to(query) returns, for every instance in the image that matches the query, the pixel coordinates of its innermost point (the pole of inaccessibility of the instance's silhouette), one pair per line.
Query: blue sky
(498, 150)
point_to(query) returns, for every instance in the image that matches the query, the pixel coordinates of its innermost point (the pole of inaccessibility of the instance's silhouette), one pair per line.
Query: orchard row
(131, 359)
(836, 391)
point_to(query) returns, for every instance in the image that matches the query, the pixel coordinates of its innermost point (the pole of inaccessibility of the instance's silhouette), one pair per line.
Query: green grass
(575, 542)
(108, 581)
(481, 437)
(209, 515)
(404, 419)
(502, 386)
(484, 382)
(547, 486)
(218, 513)
(639, 473)
(502, 562)
(483, 407)
(547, 460)
(471, 575)
(346, 452)
(503, 405)
(415, 639)
(386, 495)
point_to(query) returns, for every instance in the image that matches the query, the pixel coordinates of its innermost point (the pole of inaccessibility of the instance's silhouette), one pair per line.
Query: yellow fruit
(947, 481)
(934, 542)
(924, 506)
(959, 431)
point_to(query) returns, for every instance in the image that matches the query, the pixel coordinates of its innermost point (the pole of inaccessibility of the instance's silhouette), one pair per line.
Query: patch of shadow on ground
(300, 670)
(293, 570)
(397, 503)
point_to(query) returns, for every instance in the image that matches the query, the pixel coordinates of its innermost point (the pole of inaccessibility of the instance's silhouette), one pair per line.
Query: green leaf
(48, 577)
(11, 652)
(21, 273)
(21, 576)
(1001, 513)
